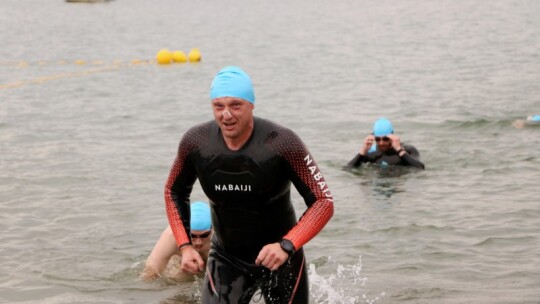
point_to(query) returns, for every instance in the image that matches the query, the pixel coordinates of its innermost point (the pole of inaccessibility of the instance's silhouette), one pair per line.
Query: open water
(89, 127)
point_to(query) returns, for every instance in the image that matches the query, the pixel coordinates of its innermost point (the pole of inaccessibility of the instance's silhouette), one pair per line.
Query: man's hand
(272, 256)
(191, 260)
(396, 142)
(368, 142)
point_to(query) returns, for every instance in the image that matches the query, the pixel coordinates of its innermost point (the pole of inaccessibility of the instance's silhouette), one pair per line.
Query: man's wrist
(401, 152)
(363, 150)
(287, 246)
(181, 247)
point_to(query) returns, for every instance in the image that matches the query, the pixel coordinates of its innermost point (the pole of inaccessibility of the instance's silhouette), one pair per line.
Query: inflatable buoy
(194, 55)
(164, 56)
(179, 56)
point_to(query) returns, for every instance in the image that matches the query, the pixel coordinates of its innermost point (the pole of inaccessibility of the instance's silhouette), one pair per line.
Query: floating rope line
(115, 65)
(164, 56)
(25, 64)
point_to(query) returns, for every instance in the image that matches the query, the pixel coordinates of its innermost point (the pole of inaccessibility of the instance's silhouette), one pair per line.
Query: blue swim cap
(232, 82)
(382, 127)
(200, 216)
(534, 117)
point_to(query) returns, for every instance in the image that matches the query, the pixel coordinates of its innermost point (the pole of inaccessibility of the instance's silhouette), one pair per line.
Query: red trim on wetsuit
(211, 280)
(311, 223)
(297, 280)
(175, 220)
(319, 213)
(178, 187)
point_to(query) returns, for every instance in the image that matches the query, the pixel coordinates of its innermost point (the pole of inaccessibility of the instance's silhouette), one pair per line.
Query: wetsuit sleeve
(177, 191)
(310, 183)
(412, 157)
(357, 161)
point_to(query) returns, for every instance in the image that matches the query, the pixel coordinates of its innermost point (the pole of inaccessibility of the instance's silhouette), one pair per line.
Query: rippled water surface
(89, 129)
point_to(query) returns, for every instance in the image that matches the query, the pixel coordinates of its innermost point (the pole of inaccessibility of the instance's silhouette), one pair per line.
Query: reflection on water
(382, 183)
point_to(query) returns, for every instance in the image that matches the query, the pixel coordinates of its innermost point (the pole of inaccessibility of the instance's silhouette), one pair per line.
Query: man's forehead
(228, 100)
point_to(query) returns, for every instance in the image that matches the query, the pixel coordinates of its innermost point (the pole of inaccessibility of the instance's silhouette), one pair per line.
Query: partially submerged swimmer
(533, 120)
(165, 259)
(385, 148)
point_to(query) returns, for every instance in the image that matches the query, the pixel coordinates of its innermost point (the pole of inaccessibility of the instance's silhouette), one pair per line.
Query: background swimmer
(533, 120)
(383, 147)
(165, 258)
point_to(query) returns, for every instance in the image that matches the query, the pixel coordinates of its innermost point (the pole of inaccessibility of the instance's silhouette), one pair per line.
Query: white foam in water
(343, 287)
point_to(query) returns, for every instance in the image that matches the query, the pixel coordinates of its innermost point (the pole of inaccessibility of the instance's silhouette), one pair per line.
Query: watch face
(287, 246)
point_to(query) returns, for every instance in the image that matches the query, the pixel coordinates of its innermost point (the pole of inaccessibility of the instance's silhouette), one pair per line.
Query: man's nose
(227, 114)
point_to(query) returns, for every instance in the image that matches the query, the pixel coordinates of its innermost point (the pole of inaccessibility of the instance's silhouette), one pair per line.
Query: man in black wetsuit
(388, 149)
(245, 166)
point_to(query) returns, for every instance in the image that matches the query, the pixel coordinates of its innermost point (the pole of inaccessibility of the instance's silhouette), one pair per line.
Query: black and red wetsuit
(249, 192)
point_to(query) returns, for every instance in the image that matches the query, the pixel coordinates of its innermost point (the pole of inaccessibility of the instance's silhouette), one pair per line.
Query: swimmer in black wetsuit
(388, 149)
(245, 166)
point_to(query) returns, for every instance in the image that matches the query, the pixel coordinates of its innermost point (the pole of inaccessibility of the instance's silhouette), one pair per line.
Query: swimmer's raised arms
(384, 148)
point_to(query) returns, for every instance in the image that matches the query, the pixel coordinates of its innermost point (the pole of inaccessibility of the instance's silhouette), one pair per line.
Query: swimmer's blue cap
(232, 82)
(535, 118)
(200, 216)
(382, 127)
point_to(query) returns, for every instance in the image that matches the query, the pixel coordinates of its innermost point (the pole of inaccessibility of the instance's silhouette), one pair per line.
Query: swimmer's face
(200, 240)
(234, 117)
(384, 143)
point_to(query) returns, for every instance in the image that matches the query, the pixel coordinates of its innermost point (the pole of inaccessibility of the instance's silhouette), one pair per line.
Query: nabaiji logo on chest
(232, 187)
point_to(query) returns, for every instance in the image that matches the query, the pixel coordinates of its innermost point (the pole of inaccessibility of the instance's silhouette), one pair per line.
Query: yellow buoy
(164, 56)
(194, 55)
(179, 56)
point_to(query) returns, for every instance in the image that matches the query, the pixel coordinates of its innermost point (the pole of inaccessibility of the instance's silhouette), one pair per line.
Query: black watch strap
(287, 246)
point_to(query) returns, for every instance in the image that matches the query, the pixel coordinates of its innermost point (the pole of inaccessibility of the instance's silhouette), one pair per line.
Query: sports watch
(287, 246)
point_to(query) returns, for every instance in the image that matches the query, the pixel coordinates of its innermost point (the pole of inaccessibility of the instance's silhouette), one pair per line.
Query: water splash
(337, 288)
